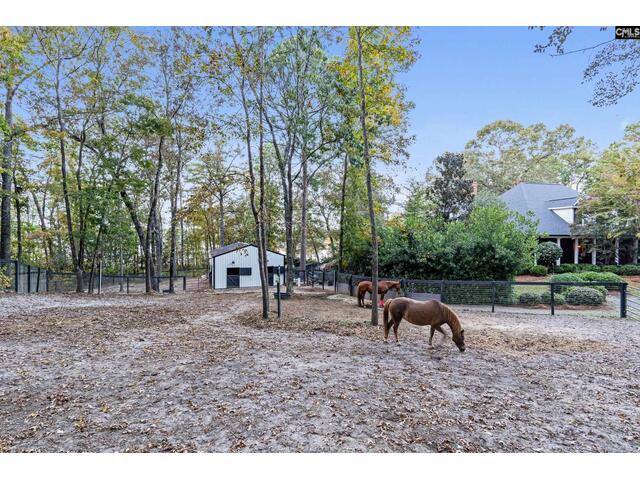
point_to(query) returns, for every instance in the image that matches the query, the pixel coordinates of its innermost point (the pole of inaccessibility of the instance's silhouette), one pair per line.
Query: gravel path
(203, 372)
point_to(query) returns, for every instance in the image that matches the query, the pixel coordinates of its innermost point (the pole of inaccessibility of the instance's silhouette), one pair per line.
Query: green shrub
(529, 298)
(558, 298)
(629, 270)
(601, 289)
(548, 253)
(564, 277)
(601, 277)
(538, 270)
(584, 296)
(566, 268)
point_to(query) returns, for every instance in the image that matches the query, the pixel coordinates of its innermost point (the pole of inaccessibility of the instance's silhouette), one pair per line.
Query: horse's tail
(385, 315)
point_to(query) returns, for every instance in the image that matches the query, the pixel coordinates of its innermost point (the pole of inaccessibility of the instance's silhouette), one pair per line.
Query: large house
(554, 206)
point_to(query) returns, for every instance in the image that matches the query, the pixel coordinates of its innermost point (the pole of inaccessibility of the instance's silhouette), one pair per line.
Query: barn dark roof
(228, 248)
(539, 198)
(232, 247)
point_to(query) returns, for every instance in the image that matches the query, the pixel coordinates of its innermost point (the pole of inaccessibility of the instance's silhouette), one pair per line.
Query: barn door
(233, 278)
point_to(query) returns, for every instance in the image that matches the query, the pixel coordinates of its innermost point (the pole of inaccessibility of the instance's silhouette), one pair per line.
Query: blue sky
(468, 77)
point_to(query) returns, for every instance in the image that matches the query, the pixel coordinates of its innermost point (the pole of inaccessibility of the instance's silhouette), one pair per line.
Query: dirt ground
(203, 372)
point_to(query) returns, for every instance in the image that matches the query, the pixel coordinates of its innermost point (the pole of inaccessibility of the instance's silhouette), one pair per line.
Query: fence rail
(494, 292)
(30, 279)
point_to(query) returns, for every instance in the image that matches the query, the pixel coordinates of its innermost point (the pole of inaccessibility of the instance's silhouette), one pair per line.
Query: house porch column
(593, 252)
(575, 250)
(559, 245)
(617, 251)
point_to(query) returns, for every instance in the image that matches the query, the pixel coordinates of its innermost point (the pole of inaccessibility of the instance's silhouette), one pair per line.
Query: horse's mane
(452, 319)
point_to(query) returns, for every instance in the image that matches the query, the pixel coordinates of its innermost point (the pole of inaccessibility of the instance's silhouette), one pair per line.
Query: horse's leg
(444, 337)
(433, 330)
(381, 300)
(387, 327)
(396, 324)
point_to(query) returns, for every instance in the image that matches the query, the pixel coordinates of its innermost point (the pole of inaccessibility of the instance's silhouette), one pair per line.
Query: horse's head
(397, 286)
(458, 339)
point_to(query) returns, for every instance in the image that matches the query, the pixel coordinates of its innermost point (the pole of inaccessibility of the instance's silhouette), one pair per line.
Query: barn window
(245, 271)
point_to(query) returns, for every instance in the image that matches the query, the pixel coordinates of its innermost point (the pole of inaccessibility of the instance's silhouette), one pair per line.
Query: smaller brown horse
(365, 287)
(431, 312)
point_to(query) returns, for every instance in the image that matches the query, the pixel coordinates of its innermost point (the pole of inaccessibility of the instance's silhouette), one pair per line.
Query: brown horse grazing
(365, 287)
(431, 312)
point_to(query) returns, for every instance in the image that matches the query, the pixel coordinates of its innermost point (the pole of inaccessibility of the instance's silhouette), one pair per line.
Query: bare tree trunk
(252, 191)
(221, 205)
(288, 221)
(7, 168)
(142, 239)
(262, 250)
(150, 282)
(174, 212)
(303, 213)
(121, 258)
(65, 189)
(342, 202)
(367, 162)
(47, 245)
(18, 217)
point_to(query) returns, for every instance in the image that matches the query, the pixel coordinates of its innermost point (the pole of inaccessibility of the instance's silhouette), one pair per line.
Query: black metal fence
(496, 293)
(325, 279)
(25, 278)
(633, 302)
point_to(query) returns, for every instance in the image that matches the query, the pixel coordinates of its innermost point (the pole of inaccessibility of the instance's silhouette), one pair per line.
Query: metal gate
(633, 303)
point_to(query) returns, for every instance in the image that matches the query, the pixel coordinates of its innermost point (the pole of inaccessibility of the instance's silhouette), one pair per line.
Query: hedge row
(585, 277)
(631, 269)
(535, 270)
(574, 296)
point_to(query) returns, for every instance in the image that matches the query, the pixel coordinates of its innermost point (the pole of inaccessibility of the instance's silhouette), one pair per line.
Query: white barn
(236, 266)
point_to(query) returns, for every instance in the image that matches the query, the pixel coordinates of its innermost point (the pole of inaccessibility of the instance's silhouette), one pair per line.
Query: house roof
(539, 198)
(232, 247)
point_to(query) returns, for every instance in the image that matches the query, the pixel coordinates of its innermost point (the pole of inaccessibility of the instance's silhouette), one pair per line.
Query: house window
(245, 271)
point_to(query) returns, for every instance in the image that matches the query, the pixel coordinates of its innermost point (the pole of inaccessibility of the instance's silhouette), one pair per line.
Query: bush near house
(628, 270)
(584, 296)
(558, 298)
(564, 277)
(529, 298)
(548, 253)
(538, 270)
(535, 270)
(601, 277)
(631, 269)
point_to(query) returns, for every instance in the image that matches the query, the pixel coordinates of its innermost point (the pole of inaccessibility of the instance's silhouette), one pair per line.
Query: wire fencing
(633, 303)
(527, 295)
(25, 278)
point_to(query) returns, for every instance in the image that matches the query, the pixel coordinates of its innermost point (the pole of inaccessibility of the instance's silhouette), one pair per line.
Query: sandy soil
(203, 372)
